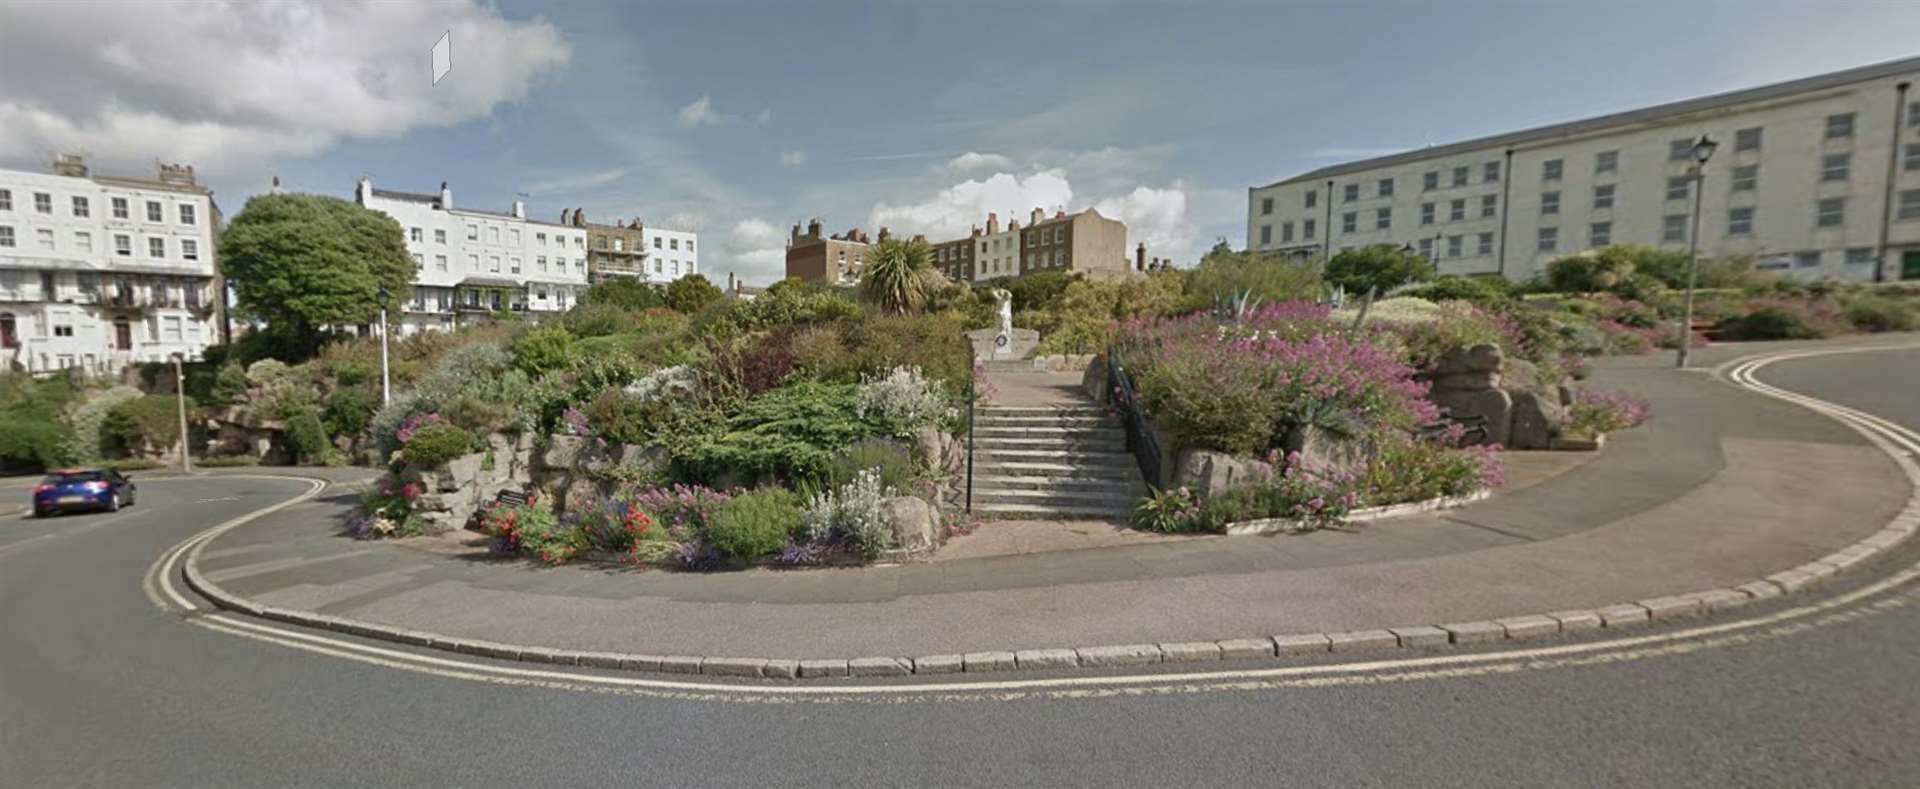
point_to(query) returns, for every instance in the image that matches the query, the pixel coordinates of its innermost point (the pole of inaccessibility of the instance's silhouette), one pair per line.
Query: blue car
(82, 489)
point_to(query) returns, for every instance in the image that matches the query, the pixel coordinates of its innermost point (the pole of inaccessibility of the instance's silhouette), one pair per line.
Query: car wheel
(40, 513)
(113, 503)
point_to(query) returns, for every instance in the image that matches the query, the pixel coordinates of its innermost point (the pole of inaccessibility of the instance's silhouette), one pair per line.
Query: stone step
(1069, 456)
(1074, 442)
(1056, 499)
(1099, 430)
(1053, 469)
(984, 419)
(1040, 410)
(1127, 483)
(1031, 512)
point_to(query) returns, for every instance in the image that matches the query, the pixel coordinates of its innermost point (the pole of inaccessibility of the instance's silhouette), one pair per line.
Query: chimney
(976, 231)
(276, 185)
(920, 237)
(1060, 214)
(993, 223)
(813, 227)
(885, 233)
(519, 209)
(69, 164)
(579, 217)
(364, 190)
(1036, 217)
(731, 285)
(1012, 225)
(446, 197)
(563, 216)
(1140, 257)
(176, 174)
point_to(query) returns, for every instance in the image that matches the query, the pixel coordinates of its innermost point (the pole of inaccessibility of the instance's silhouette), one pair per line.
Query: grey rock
(1477, 359)
(911, 520)
(1094, 380)
(1468, 381)
(1494, 404)
(648, 458)
(1321, 447)
(930, 445)
(565, 452)
(1534, 421)
(1207, 472)
(465, 469)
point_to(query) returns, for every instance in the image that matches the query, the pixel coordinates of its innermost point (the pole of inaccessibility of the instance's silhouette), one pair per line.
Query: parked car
(82, 489)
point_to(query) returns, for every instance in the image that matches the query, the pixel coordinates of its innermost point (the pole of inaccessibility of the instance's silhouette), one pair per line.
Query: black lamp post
(1702, 151)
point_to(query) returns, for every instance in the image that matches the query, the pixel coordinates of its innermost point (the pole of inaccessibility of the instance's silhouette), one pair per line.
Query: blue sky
(739, 119)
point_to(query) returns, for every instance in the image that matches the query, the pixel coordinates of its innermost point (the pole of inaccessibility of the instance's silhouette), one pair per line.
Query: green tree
(691, 293)
(302, 262)
(626, 293)
(1270, 276)
(1613, 269)
(1378, 268)
(895, 278)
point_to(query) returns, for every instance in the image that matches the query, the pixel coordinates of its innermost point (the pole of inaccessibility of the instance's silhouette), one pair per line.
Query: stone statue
(1003, 302)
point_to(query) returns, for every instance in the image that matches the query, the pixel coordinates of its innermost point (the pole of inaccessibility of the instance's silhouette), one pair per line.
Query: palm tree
(895, 277)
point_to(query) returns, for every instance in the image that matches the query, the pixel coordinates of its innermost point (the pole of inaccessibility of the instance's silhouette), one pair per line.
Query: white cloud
(763, 118)
(953, 211)
(754, 250)
(1158, 217)
(793, 158)
(979, 161)
(575, 182)
(701, 113)
(231, 86)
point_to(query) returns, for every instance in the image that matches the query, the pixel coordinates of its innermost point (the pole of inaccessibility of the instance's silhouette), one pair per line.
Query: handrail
(973, 372)
(1139, 428)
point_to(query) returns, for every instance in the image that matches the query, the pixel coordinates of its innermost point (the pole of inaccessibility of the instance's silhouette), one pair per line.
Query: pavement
(99, 687)
(1723, 487)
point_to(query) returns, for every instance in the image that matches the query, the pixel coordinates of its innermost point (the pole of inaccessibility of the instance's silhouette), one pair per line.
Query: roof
(411, 197)
(1715, 101)
(491, 282)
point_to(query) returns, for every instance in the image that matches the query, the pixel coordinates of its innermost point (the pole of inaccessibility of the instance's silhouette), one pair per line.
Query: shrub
(224, 461)
(1628, 271)
(755, 524)
(1407, 469)
(790, 433)
(903, 401)
(691, 293)
(28, 445)
(543, 348)
(1783, 319)
(388, 511)
(308, 436)
(850, 512)
(893, 463)
(142, 423)
(228, 384)
(350, 410)
(622, 293)
(1881, 313)
(1597, 411)
(435, 444)
(1267, 276)
(683, 510)
(531, 529)
(1483, 291)
(596, 320)
(1378, 268)
(86, 418)
(1168, 511)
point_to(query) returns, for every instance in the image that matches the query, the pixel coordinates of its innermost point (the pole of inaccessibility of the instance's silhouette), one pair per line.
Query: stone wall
(1522, 412)
(458, 490)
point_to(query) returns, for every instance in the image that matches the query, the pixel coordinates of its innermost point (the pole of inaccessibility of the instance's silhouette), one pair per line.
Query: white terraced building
(472, 262)
(670, 253)
(1818, 177)
(98, 272)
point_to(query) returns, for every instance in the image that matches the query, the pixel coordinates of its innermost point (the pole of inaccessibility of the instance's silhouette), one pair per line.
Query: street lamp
(180, 399)
(1702, 151)
(386, 382)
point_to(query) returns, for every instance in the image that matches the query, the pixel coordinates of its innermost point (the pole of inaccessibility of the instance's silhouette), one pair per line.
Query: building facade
(475, 263)
(616, 250)
(835, 259)
(671, 253)
(1084, 243)
(98, 272)
(1818, 177)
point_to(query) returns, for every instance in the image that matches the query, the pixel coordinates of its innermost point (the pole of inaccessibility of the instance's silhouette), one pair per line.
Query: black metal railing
(1133, 417)
(973, 371)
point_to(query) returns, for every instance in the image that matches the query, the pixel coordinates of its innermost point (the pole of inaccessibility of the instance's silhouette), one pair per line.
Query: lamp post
(386, 382)
(180, 399)
(1702, 151)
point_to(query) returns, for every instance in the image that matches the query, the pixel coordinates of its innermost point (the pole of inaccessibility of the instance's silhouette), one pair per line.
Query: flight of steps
(1047, 462)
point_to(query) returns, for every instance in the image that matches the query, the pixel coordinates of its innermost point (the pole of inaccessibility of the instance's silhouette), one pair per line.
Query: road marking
(156, 582)
(1889, 436)
(222, 498)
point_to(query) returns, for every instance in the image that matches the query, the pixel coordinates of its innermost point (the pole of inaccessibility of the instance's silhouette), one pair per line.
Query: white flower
(904, 399)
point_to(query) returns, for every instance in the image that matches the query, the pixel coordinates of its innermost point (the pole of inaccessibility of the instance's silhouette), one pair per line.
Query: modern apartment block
(834, 259)
(473, 262)
(97, 272)
(1817, 177)
(1085, 243)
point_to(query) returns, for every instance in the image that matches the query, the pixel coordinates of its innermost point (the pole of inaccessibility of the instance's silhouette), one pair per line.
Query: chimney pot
(1140, 257)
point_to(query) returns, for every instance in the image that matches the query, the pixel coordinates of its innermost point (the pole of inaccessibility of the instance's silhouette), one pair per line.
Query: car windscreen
(67, 479)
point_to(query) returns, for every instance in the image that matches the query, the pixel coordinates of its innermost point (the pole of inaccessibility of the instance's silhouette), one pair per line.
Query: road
(100, 687)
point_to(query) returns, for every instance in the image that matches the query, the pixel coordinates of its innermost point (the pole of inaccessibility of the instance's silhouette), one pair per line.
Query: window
(440, 262)
(1747, 139)
(1860, 256)
(186, 214)
(493, 235)
(1307, 227)
(1486, 244)
(1599, 234)
(80, 207)
(1673, 227)
(656, 239)
(172, 323)
(1460, 176)
(513, 236)
(540, 238)
(1266, 206)
(414, 235)
(119, 208)
(83, 240)
(1807, 259)
(1426, 248)
(1286, 232)
(689, 246)
(6, 199)
(1606, 162)
(153, 212)
(1549, 203)
(1457, 210)
(1549, 240)
(43, 202)
(439, 236)
(1603, 196)
(1550, 169)
(513, 265)
(1840, 126)
(1313, 198)
(1430, 181)
(1059, 235)
(1678, 187)
(65, 330)
(1831, 212)
(1836, 166)
(1266, 234)
(1386, 187)
(1913, 114)
(1454, 246)
(493, 263)
(1033, 240)
(1680, 150)
(45, 237)
(1909, 204)
(1912, 160)
(1490, 172)
(1382, 218)
(1489, 204)
(473, 232)
(473, 262)
(1740, 222)
(1746, 178)
(156, 247)
(579, 242)
(1349, 222)
(1351, 192)
(1426, 213)
(189, 249)
(123, 245)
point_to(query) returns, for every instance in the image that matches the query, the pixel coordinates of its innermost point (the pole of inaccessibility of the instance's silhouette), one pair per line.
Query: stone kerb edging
(1366, 515)
(1626, 614)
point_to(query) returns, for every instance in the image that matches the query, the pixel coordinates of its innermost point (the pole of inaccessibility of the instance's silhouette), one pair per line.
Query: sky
(739, 119)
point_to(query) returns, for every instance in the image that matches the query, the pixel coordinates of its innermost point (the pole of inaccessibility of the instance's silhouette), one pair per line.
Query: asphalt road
(99, 687)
